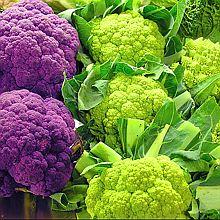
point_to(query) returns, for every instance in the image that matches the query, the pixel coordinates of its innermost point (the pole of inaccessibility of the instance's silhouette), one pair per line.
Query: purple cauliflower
(36, 47)
(36, 136)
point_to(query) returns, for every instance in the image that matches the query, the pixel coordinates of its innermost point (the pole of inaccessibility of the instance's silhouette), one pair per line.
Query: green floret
(216, 133)
(139, 189)
(127, 36)
(201, 60)
(135, 97)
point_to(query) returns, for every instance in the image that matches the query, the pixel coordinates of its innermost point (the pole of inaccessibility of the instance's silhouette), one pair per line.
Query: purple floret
(36, 47)
(36, 136)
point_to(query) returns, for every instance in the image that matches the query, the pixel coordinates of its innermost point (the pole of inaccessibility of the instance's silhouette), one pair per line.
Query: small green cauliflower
(137, 97)
(4, 4)
(146, 188)
(216, 134)
(201, 59)
(126, 36)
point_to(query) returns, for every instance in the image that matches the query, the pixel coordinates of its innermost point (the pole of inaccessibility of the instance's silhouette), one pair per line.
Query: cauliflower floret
(35, 140)
(135, 97)
(139, 189)
(216, 134)
(201, 59)
(36, 48)
(127, 36)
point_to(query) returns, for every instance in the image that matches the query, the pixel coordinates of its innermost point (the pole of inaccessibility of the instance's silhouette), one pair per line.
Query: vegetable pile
(112, 108)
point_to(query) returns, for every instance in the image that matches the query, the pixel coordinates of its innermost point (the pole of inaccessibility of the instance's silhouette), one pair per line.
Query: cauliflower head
(216, 134)
(35, 140)
(135, 97)
(201, 60)
(146, 188)
(127, 36)
(36, 48)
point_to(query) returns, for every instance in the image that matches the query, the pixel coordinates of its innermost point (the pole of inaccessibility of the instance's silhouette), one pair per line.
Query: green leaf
(193, 166)
(83, 215)
(209, 197)
(97, 168)
(83, 28)
(60, 203)
(166, 115)
(89, 94)
(161, 16)
(67, 14)
(179, 138)
(184, 104)
(173, 50)
(177, 12)
(206, 117)
(204, 89)
(70, 90)
(129, 131)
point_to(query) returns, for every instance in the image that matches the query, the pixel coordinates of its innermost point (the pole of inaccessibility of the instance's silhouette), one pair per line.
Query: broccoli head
(126, 36)
(137, 97)
(35, 140)
(146, 188)
(216, 134)
(201, 60)
(36, 48)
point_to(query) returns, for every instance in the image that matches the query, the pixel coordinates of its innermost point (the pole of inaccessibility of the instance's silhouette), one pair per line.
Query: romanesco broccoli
(201, 60)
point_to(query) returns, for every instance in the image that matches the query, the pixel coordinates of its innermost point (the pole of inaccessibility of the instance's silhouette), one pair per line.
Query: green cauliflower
(126, 36)
(146, 188)
(202, 19)
(216, 134)
(135, 97)
(201, 60)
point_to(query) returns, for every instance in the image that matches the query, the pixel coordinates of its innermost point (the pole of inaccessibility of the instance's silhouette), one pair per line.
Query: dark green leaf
(206, 88)
(161, 16)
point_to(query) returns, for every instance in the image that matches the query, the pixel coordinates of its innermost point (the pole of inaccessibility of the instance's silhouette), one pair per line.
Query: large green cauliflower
(146, 188)
(126, 36)
(201, 60)
(135, 97)
(216, 133)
